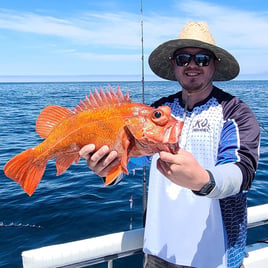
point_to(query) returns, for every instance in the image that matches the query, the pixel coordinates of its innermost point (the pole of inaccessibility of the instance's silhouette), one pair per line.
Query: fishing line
(262, 126)
(185, 108)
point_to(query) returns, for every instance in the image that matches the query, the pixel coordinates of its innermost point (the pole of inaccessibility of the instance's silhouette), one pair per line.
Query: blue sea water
(75, 205)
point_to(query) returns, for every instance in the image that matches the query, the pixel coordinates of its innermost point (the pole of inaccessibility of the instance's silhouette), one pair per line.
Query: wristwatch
(207, 188)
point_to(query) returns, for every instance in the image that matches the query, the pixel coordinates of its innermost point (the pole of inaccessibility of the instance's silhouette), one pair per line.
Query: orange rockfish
(131, 129)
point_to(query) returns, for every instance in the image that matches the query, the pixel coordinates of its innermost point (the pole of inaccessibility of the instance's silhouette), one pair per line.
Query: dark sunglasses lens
(202, 59)
(183, 59)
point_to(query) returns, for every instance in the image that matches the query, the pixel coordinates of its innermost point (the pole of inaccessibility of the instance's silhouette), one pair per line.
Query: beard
(193, 85)
(196, 83)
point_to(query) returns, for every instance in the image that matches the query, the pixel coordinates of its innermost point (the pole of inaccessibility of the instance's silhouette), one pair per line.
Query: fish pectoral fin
(64, 161)
(112, 175)
(122, 167)
(126, 146)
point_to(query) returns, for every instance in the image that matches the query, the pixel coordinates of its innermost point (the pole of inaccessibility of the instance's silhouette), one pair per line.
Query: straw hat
(194, 34)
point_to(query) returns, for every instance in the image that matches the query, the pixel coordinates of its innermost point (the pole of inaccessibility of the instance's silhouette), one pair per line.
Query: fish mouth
(152, 142)
(150, 148)
(167, 134)
(171, 138)
(172, 134)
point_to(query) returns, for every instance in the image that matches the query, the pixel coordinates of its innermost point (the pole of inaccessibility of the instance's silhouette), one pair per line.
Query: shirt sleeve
(238, 147)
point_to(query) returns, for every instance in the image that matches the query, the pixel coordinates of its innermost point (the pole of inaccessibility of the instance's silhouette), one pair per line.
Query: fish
(102, 118)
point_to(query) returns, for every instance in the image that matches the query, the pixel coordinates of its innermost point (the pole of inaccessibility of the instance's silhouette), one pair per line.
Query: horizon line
(102, 78)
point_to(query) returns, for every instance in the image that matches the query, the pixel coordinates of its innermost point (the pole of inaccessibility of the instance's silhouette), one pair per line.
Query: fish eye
(157, 114)
(159, 117)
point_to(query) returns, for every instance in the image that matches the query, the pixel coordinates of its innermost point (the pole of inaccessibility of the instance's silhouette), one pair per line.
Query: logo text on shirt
(201, 125)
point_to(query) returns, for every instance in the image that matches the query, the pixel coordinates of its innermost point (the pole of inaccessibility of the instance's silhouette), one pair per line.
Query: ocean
(75, 205)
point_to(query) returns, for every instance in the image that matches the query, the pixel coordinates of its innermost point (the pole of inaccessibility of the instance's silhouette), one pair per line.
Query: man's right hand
(100, 161)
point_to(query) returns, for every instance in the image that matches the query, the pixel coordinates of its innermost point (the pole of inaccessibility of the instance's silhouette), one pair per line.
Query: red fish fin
(99, 99)
(122, 167)
(124, 160)
(64, 161)
(25, 171)
(113, 174)
(49, 118)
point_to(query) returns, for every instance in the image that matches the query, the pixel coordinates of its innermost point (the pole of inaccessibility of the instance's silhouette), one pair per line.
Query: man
(196, 215)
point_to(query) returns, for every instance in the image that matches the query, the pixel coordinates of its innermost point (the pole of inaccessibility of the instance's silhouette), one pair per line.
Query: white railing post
(110, 264)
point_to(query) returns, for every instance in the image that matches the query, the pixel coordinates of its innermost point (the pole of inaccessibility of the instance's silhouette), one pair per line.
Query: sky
(103, 38)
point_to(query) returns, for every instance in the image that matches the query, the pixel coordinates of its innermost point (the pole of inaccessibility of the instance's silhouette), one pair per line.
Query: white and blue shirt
(206, 232)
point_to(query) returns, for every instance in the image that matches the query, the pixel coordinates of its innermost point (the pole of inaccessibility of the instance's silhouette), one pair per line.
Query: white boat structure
(87, 252)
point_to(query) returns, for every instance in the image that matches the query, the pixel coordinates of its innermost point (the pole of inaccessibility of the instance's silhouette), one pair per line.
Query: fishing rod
(144, 196)
(142, 55)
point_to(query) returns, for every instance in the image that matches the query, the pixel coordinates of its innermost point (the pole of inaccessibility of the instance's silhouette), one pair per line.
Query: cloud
(116, 30)
(116, 36)
(234, 28)
(242, 32)
(102, 57)
(33, 23)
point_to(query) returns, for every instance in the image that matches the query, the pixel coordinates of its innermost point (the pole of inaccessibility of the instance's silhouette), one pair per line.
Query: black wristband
(207, 188)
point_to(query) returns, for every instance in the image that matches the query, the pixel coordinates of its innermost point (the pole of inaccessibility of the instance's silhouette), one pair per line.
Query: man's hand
(100, 161)
(183, 169)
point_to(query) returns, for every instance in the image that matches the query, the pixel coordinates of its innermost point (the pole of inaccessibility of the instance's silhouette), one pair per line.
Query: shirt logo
(201, 125)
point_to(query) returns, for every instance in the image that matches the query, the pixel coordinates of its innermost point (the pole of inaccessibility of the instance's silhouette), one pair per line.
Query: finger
(98, 155)
(159, 166)
(110, 158)
(86, 151)
(101, 159)
(163, 166)
(98, 163)
(168, 157)
(104, 170)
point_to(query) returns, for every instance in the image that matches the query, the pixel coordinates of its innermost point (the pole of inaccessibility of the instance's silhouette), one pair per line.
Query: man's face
(191, 76)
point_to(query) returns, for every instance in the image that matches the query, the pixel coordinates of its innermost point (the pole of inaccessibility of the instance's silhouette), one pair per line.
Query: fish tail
(25, 170)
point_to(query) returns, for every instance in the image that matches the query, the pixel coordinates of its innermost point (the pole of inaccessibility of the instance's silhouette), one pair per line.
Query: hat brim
(161, 64)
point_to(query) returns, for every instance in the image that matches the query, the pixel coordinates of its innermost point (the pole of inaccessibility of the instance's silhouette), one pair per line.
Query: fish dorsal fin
(49, 118)
(100, 99)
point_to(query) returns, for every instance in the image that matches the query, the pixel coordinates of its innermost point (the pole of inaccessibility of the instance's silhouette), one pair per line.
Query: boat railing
(107, 248)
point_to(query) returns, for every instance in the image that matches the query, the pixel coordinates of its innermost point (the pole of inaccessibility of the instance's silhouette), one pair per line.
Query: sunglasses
(200, 59)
